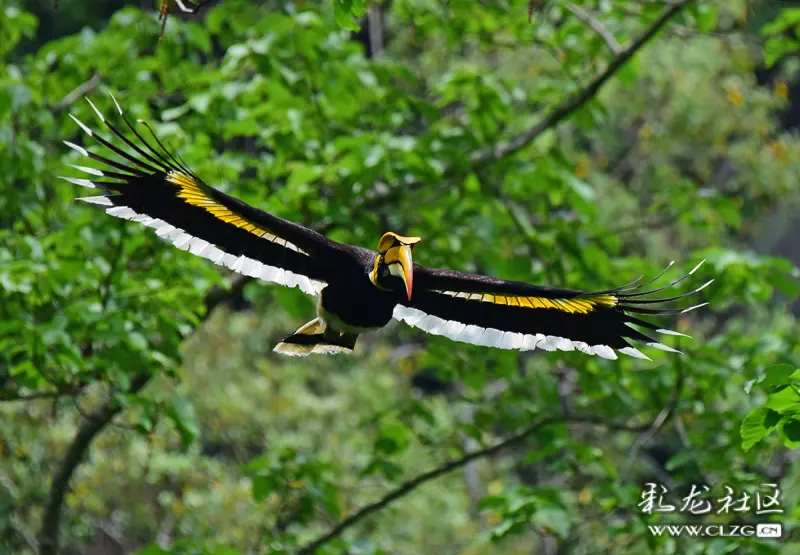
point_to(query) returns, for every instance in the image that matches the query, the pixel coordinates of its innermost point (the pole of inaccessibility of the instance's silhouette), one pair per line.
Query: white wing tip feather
(96, 111)
(123, 212)
(663, 347)
(101, 200)
(79, 181)
(604, 351)
(82, 126)
(119, 108)
(697, 267)
(91, 171)
(706, 284)
(635, 353)
(77, 148)
(672, 332)
(684, 311)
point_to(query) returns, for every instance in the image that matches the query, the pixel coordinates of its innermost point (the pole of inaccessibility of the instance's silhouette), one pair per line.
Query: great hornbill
(360, 289)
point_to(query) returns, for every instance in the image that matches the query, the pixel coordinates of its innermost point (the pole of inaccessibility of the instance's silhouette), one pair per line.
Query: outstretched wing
(155, 188)
(514, 315)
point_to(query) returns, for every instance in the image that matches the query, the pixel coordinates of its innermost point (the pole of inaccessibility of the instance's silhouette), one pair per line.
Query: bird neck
(374, 274)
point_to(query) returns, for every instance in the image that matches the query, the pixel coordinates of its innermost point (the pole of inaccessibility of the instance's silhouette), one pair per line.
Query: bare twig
(87, 416)
(9, 396)
(219, 295)
(656, 222)
(488, 155)
(89, 429)
(375, 28)
(105, 290)
(596, 26)
(24, 533)
(654, 427)
(412, 484)
(535, 6)
(80, 91)
(472, 480)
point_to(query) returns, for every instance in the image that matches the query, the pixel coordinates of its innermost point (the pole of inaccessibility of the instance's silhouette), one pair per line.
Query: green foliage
(781, 411)
(347, 12)
(231, 449)
(781, 35)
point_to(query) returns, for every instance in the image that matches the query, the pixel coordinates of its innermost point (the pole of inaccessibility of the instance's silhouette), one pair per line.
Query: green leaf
(174, 113)
(777, 374)
(200, 102)
(790, 432)
(706, 15)
(758, 425)
(181, 411)
(552, 519)
(784, 400)
(679, 460)
(394, 437)
(492, 502)
(302, 174)
(342, 10)
(389, 469)
(263, 486)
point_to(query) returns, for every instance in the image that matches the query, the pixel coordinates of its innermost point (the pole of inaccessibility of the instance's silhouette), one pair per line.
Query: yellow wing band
(582, 305)
(193, 193)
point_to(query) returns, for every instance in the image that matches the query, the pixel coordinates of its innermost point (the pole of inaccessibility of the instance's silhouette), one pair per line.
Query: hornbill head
(393, 269)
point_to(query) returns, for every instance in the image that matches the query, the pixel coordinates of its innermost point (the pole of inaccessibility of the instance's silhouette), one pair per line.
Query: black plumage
(359, 289)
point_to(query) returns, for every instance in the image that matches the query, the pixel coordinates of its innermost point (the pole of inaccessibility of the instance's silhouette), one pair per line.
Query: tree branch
(375, 28)
(655, 426)
(89, 429)
(81, 90)
(488, 155)
(412, 484)
(219, 295)
(10, 396)
(596, 26)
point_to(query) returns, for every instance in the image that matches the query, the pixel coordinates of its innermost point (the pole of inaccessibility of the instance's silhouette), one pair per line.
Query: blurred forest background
(141, 407)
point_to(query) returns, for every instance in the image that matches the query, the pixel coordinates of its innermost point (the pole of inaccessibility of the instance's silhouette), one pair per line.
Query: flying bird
(358, 289)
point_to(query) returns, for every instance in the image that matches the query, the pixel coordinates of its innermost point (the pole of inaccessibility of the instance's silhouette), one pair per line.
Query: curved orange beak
(400, 264)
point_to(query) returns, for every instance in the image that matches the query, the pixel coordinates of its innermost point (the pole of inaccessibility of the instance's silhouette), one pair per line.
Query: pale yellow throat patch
(373, 274)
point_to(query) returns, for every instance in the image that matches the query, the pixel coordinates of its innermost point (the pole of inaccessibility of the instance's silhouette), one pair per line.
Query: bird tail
(312, 339)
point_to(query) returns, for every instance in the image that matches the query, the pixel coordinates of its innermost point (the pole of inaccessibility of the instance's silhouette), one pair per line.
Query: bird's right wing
(154, 187)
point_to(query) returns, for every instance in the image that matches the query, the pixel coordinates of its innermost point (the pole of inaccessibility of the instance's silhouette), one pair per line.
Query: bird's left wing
(514, 315)
(154, 187)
